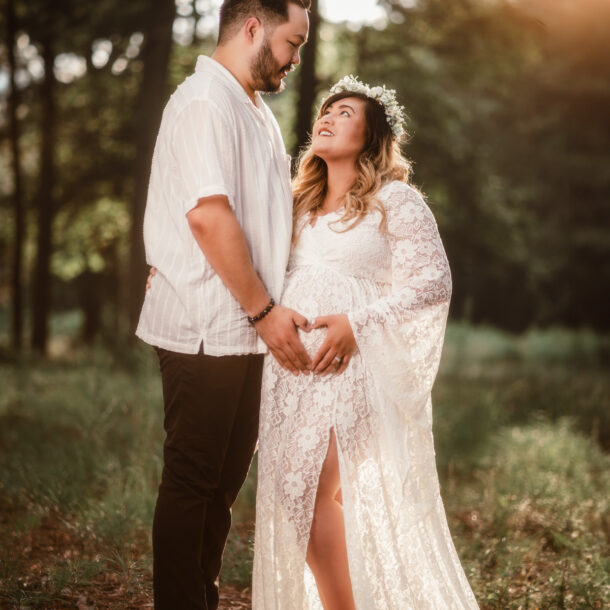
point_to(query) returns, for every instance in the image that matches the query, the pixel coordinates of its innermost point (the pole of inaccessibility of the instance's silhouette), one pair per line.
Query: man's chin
(273, 86)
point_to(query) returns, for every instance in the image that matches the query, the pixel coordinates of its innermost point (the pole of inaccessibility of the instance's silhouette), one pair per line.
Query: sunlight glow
(363, 11)
(337, 11)
(69, 66)
(353, 12)
(101, 50)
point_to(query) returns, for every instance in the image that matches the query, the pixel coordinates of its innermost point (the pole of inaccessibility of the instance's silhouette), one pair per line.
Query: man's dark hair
(235, 12)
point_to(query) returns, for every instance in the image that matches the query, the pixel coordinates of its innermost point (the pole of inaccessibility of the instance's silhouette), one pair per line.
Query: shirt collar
(205, 63)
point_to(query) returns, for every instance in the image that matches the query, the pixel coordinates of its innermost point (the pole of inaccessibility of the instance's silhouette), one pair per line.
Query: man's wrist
(255, 302)
(259, 316)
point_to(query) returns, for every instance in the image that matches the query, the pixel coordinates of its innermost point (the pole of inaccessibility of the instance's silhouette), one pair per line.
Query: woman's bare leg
(326, 551)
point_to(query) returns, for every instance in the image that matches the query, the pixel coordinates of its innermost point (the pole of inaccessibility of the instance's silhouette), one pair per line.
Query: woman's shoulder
(398, 196)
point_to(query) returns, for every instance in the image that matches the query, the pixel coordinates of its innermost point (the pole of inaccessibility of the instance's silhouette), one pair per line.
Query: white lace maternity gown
(395, 288)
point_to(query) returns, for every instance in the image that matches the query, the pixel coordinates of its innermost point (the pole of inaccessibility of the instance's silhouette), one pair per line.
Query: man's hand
(278, 329)
(338, 347)
(151, 274)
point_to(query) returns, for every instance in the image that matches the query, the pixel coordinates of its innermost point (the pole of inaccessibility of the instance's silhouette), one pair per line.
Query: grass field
(522, 430)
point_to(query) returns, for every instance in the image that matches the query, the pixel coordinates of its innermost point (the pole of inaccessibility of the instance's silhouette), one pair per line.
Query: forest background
(509, 122)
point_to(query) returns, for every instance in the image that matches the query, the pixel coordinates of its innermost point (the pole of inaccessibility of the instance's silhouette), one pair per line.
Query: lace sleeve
(400, 336)
(420, 272)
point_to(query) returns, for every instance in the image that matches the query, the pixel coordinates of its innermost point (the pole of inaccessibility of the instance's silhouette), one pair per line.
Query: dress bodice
(362, 251)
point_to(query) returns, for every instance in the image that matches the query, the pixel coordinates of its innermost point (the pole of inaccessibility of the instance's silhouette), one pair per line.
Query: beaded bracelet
(263, 313)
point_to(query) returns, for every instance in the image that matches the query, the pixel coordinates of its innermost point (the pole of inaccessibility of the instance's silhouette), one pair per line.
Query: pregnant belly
(318, 291)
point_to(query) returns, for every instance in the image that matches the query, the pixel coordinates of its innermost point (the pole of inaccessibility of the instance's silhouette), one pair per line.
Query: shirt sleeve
(202, 144)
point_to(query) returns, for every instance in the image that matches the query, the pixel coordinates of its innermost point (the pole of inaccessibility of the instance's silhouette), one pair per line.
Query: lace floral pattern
(395, 287)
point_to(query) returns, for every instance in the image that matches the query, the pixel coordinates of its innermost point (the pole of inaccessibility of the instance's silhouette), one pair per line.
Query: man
(217, 228)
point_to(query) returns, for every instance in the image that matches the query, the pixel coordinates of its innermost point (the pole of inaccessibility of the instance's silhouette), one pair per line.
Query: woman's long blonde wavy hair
(380, 162)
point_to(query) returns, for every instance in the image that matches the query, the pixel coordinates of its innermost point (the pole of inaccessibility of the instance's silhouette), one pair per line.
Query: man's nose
(296, 58)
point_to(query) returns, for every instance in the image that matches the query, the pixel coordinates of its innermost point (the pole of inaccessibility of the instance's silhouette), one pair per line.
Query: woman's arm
(421, 279)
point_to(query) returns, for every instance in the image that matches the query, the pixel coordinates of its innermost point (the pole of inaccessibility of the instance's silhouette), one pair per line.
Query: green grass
(521, 424)
(532, 524)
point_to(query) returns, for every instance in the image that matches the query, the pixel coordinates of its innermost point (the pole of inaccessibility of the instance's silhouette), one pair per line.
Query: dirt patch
(47, 571)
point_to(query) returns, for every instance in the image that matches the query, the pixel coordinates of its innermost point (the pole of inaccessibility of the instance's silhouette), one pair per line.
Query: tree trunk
(155, 59)
(91, 295)
(17, 289)
(308, 81)
(42, 280)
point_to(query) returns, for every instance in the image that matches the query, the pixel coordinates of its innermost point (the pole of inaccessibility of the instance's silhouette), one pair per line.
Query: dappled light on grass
(519, 424)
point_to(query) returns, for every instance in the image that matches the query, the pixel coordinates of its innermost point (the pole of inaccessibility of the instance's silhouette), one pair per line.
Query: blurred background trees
(509, 106)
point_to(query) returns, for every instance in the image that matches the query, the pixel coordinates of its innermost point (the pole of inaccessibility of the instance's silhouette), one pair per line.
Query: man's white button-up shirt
(213, 141)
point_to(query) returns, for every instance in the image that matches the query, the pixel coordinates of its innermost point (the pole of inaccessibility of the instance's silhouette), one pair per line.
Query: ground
(522, 433)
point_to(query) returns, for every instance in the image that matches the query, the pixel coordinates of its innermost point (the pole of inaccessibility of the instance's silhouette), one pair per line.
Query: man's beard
(266, 74)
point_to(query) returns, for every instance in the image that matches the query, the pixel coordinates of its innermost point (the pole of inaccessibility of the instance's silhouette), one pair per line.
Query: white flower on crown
(394, 112)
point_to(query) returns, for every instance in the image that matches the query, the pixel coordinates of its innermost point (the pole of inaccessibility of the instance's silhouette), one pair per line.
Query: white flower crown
(394, 112)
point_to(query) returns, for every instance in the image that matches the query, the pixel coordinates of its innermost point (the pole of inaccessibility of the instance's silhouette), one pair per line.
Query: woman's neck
(340, 179)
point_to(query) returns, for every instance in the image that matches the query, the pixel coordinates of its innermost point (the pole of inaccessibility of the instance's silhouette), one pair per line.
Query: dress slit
(315, 488)
(331, 434)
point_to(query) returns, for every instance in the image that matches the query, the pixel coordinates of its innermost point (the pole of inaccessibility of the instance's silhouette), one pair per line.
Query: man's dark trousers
(211, 425)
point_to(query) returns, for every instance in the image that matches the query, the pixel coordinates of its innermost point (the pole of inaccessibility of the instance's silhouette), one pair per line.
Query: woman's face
(340, 132)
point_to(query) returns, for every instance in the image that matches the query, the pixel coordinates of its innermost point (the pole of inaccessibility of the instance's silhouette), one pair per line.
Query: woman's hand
(151, 274)
(338, 347)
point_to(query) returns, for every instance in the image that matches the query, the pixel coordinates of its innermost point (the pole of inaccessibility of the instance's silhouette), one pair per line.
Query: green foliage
(499, 379)
(532, 527)
(525, 483)
(504, 99)
(508, 105)
(86, 238)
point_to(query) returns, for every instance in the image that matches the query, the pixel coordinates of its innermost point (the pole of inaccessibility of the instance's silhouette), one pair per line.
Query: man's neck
(226, 58)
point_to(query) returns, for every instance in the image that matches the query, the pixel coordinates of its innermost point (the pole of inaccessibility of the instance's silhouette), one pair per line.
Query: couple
(348, 288)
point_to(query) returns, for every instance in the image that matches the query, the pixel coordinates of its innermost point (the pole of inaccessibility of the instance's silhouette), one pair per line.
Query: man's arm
(222, 241)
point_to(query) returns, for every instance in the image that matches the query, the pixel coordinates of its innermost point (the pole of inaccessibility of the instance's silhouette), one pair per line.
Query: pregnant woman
(349, 513)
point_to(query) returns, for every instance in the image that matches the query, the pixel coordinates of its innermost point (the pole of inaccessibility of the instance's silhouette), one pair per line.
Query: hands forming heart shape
(334, 354)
